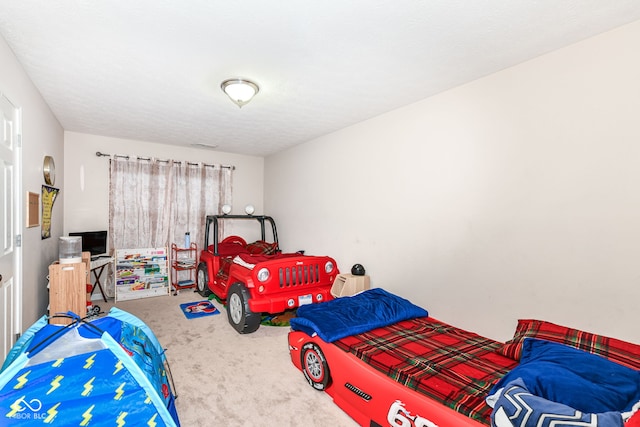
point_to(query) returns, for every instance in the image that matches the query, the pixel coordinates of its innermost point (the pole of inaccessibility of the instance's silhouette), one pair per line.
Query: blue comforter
(555, 384)
(356, 314)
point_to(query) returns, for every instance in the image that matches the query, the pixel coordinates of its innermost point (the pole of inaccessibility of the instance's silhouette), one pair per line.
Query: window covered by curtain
(139, 203)
(153, 203)
(200, 190)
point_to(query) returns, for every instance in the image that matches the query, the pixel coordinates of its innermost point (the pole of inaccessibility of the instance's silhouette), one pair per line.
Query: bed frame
(370, 397)
(416, 371)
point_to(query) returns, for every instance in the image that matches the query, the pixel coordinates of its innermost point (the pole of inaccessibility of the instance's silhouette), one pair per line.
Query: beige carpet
(223, 378)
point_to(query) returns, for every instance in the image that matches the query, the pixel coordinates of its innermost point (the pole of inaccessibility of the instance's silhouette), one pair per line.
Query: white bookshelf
(141, 273)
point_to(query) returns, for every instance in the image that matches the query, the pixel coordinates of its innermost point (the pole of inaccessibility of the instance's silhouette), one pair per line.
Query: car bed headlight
(328, 267)
(263, 274)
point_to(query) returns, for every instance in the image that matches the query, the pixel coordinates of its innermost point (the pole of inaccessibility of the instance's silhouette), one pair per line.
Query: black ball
(357, 270)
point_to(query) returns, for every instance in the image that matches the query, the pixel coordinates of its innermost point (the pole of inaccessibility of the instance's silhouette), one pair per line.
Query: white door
(10, 226)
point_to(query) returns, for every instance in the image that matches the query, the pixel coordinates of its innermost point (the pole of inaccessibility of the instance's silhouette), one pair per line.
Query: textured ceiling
(151, 69)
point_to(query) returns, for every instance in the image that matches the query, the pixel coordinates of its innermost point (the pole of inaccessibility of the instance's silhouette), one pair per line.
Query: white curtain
(153, 203)
(139, 203)
(200, 190)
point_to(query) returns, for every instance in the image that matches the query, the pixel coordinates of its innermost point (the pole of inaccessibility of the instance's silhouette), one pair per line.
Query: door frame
(18, 230)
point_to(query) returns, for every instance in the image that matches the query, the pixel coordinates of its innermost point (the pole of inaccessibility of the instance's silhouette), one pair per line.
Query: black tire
(238, 312)
(202, 280)
(314, 366)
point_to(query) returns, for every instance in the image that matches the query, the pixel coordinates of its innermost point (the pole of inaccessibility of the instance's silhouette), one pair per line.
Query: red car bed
(385, 362)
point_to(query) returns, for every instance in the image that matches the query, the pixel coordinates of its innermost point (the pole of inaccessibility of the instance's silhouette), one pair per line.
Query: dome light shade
(240, 91)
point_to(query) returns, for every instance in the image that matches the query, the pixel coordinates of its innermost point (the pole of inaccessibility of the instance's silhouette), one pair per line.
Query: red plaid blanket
(445, 363)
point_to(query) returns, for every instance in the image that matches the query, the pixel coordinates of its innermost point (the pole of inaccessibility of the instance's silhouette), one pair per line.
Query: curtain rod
(99, 154)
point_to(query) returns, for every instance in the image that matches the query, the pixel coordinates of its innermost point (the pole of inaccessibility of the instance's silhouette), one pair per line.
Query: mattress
(450, 365)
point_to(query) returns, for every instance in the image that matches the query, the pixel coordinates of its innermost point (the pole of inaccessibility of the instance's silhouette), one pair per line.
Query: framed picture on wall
(49, 195)
(33, 209)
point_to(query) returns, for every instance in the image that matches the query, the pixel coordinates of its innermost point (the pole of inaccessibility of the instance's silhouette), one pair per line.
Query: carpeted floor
(226, 379)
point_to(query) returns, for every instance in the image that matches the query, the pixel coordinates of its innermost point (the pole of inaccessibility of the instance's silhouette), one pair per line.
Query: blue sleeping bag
(341, 317)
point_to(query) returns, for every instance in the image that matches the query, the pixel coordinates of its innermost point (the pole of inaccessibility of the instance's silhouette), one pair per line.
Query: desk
(97, 267)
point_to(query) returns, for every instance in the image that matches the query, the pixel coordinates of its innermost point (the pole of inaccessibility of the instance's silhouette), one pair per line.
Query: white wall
(513, 196)
(41, 135)
(88, 209)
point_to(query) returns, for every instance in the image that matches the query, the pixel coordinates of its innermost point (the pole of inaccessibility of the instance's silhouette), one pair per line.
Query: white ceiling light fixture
(240, 91)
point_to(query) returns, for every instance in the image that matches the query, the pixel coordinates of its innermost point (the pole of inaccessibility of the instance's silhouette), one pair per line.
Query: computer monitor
(93, 241)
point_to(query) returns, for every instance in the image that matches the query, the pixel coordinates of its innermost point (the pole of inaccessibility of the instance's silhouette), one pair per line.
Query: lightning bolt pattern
(22, 380)
(15, 407)
(121, 418)
(55, 383)
(152, 421)
(89, 362)
(88, 387)
(119, 392)
(86, 416)
(91, 380)
(52, 413)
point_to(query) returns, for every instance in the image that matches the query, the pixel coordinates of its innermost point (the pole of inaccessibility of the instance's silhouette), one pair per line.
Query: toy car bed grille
(299, 275)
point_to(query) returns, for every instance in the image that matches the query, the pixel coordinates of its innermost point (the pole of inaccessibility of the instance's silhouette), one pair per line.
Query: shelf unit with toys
(184, 264)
